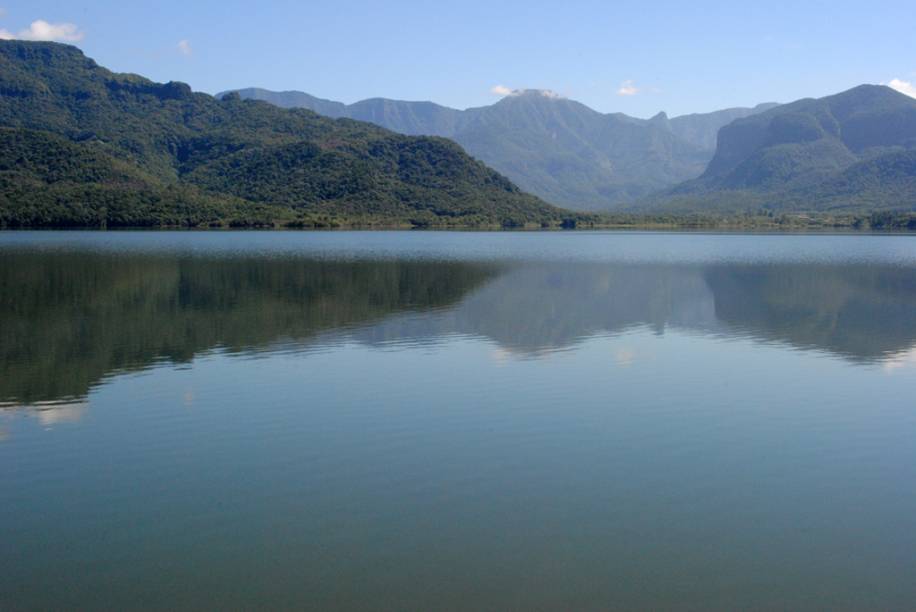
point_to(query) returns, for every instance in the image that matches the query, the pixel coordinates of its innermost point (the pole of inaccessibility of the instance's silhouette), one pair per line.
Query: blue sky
(632, 57)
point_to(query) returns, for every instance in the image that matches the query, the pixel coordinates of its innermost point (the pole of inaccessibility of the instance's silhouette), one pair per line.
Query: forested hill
(850, 152)
(80, 145)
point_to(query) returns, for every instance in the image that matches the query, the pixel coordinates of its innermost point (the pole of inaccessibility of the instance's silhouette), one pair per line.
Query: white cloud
(627, 88)
(502, 90)
(904, 87)
(42, 30)
(184, 47)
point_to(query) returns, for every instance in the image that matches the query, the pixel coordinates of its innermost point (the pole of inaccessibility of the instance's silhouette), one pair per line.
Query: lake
(435, 420)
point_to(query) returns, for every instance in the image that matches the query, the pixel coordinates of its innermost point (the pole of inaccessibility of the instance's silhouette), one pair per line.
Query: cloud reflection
(905, 359)
(48, 414)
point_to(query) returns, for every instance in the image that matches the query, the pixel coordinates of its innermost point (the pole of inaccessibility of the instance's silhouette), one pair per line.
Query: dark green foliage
(48, 180)
(84, 146)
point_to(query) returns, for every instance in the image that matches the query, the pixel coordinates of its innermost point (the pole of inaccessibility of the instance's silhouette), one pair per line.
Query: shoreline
(883, 221)
(659, 228)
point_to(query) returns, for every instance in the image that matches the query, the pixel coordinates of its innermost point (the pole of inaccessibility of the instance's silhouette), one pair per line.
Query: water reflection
(533, 310)
(69, 319)
(52, 413)
(904, 359)
(862, 313)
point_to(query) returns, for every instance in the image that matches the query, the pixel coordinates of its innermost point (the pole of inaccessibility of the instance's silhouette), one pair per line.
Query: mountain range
(83, 146)
(553, 147)
(851, 152)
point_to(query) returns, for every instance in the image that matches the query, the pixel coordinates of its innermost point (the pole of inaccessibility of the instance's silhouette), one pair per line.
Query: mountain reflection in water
(68, 320)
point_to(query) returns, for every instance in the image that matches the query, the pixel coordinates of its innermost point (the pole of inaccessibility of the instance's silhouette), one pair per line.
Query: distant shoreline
(638, 227)
(853, 221)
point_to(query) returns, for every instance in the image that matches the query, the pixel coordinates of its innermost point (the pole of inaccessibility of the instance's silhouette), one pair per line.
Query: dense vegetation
(555, 148)
(759, 219)
(84, 146)
(851, 153)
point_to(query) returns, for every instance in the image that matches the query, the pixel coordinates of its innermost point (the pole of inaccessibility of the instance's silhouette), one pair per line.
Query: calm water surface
(381, 421)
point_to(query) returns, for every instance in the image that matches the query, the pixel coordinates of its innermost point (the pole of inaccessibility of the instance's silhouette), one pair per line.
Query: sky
(633, 57)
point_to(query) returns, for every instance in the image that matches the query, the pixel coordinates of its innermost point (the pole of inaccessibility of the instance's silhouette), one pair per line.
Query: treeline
(764, 219)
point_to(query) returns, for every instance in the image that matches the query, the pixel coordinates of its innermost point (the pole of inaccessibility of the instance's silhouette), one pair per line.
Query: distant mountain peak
(553, 146)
